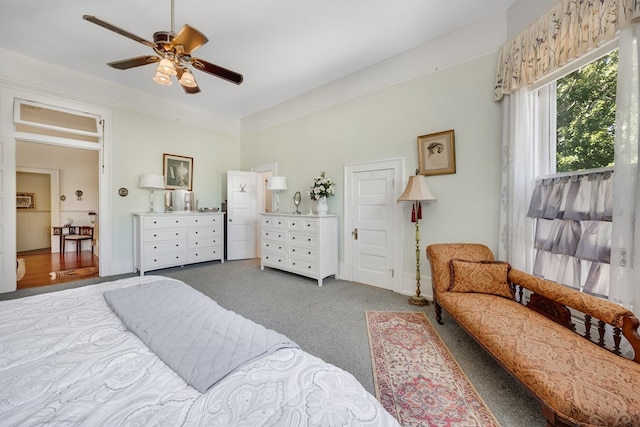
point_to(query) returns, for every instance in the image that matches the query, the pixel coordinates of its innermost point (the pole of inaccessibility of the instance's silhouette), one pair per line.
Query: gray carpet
(329, 322)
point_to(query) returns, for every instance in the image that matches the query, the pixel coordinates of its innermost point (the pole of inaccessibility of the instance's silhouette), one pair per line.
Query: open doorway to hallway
(61, 184)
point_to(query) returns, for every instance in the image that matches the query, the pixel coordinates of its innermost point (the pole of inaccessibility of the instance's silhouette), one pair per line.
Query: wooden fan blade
(217, 71)
(138, 61)
(189, 38)
(191, 90)
(120, 31)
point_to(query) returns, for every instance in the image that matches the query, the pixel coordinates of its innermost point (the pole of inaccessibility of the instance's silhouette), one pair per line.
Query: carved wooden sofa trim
(577, 371)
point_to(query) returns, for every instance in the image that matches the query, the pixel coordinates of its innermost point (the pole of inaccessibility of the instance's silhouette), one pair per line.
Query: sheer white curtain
(526, 155)
(625, 245)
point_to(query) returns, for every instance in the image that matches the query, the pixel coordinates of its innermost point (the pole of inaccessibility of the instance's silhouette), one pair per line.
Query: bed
(66, 358)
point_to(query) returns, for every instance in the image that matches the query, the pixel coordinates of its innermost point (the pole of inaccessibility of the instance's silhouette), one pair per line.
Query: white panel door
(241, 215)
(372, 207)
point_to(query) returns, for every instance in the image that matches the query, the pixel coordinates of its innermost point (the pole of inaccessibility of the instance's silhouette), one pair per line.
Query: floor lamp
(417, 192)
(277, 183)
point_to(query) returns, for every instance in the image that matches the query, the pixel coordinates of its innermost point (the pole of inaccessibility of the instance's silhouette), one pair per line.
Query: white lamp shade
(166, 67)
(417, 190)
(187, 80)
(148, 180)
(162, 79)
(277, 183)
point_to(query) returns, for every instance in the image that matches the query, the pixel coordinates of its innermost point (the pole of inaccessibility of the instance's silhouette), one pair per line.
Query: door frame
(54, 182)
(9, 136)
(398, 235)
(262, 171)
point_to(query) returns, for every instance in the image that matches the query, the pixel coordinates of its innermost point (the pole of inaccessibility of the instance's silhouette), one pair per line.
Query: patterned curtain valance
(565, 32)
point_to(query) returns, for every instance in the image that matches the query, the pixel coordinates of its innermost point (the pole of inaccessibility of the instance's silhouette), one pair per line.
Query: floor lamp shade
(417, 190)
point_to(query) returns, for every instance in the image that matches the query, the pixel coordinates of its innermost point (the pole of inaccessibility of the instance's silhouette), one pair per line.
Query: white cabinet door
(241, 215)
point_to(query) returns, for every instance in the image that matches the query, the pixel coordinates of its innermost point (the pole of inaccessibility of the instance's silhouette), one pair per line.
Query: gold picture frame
(177, 171)
(25, 200)
(437, 153)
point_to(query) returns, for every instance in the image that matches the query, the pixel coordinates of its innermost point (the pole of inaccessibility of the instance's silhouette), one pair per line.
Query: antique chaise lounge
(576, 353)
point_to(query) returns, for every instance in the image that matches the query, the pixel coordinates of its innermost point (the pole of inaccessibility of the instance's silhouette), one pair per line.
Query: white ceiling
(283, 48)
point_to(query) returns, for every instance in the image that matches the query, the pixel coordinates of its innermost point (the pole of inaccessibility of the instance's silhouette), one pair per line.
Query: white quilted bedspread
(66, 359)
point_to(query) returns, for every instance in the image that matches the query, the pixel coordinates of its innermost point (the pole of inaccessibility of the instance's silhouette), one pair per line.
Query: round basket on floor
(21, 270)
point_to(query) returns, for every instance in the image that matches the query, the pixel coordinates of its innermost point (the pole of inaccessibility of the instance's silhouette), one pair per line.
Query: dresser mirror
(297, 198)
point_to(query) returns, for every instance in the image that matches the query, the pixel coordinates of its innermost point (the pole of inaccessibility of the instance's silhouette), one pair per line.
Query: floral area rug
(417, 380)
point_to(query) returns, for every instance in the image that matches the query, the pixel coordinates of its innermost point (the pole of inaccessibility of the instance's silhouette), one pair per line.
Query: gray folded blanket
(191, 333)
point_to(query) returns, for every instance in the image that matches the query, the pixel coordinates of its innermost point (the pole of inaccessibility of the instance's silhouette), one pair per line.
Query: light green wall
(384, 125)
(138, 143)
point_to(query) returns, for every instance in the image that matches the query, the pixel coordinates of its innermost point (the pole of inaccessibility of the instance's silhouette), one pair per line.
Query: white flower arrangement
(322, 187)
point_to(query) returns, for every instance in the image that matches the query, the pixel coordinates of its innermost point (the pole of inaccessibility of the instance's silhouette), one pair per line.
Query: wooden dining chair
(85, 232)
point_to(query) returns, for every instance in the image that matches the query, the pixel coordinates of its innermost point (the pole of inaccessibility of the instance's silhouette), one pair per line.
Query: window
(573, 208)
(586, 114)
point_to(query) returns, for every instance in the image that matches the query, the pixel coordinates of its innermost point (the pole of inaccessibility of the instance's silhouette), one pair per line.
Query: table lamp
(151, 182)
(277, 183)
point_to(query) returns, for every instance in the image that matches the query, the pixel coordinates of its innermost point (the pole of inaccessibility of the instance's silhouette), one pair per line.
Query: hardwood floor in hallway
(39, 265)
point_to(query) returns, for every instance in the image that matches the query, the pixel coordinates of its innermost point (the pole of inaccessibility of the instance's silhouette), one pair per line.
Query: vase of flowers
(322, 188)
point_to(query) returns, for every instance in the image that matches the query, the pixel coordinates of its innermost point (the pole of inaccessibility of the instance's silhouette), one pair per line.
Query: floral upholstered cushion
(485, 277)
(439, 255)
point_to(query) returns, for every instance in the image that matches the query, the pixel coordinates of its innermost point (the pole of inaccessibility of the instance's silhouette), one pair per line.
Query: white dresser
(164, 240)
(301, 244)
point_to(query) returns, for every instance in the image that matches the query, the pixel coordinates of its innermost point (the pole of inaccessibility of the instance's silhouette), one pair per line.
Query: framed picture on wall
(178, 172)
(436, 153)
(25, 200)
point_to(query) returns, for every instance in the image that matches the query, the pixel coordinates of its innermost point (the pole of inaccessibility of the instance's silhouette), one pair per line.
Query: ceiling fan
(173, 53)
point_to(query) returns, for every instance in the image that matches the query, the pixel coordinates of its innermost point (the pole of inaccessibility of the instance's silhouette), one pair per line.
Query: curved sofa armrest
(599, 308)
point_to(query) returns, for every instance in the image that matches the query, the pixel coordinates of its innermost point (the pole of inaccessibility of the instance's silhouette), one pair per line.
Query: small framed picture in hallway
(25, 200)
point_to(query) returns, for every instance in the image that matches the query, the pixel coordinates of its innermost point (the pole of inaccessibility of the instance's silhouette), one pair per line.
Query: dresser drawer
(156, 248)
(152, 262)
(310, 225)
(306, 240)
(205, 242)
(274, 222)
(278, 247)
(302, 266)
(199, 233)
(295, 224)
(274, 260)
(154, 222)
(203, 221)
(204, 254)
(279, 236)
(299, 251)
(159, 235)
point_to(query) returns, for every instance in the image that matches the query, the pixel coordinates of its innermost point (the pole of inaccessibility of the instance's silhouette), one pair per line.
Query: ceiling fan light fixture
(162, 79)
(166, 67)
(187, 80)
